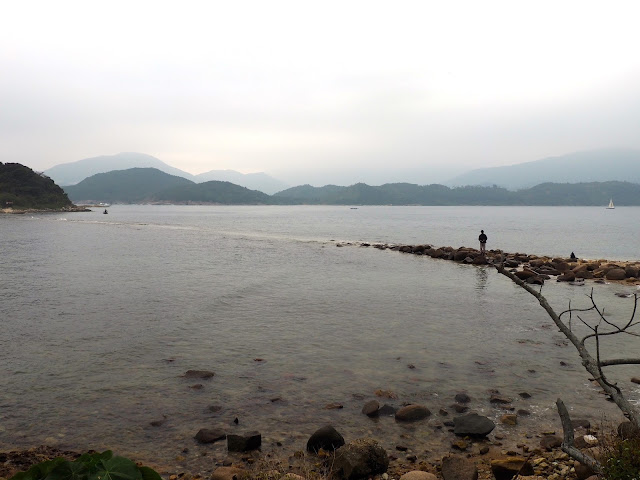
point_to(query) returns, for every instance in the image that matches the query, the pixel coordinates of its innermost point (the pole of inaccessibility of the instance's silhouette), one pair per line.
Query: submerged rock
(206, 435)
(244, 443)
(412, 413)
(198, 374)
(473, 425)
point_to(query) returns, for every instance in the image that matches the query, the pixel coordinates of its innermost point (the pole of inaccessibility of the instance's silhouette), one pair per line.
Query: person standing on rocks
(483, 242)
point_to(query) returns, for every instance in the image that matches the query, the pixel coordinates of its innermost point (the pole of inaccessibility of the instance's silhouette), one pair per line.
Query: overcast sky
(318, 92)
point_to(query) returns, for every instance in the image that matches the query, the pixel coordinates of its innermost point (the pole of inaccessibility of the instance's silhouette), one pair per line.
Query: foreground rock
(244, 443)
(509, 467)
(458, 468)
(473, 425)
(361, 458)
(326, 438)
(228, 473)
(418, 475)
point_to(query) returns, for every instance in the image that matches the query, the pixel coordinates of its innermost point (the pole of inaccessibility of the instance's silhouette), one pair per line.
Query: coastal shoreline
(72, 208)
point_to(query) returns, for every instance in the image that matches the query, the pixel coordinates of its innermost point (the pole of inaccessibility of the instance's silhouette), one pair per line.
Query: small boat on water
(105, 211)
(610, 206)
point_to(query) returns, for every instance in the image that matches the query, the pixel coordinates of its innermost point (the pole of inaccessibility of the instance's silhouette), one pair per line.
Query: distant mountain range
(582, 167)
(149, 185)
(74, 172)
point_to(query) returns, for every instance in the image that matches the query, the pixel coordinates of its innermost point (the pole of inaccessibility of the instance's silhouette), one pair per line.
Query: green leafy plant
(90, 466)
(621, 459)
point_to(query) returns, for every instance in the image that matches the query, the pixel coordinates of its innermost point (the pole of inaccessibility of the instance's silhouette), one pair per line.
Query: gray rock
(387, 410)
(462, 398)
(472, 425)
(371, 408)
(361, 458)
(244, 443)
(326, 438)
(458, 468)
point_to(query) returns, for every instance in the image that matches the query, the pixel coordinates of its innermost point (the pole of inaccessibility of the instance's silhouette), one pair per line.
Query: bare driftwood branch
(591, 364)
(619, 361)
(568, 445)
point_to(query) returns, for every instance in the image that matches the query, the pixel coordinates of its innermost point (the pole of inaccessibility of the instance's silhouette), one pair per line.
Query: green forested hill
(135, 185)
(147, 185)
(596, 193)
(212, 192)
(22, 188)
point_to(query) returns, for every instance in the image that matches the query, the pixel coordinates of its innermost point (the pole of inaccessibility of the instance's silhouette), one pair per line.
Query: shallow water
(102, 314)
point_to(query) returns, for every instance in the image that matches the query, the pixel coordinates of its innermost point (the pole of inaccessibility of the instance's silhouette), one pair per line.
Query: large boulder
(412, 413)
(460, 255)
(326, 438)
(362, 458)
(631, 271)
(616, 274)
(524, 274)
(472, 425)
(566, 277)
(584, 274)
(508, 467)
(455, 467)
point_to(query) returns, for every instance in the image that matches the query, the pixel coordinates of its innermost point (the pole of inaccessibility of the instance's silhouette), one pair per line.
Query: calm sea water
(102, 314)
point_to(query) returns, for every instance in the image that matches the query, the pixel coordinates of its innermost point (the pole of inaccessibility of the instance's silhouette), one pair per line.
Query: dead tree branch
(591, 364)
(567, 443)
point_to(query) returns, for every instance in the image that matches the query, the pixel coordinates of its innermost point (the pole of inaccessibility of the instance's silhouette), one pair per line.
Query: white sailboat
(610, 207)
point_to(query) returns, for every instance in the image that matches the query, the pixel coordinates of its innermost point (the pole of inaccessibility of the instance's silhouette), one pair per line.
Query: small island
(22, 190)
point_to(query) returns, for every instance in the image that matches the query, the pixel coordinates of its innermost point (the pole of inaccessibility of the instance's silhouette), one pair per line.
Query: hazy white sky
(318, 92)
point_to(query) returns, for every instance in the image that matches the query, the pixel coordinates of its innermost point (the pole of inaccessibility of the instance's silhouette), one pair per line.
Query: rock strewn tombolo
(530, 268)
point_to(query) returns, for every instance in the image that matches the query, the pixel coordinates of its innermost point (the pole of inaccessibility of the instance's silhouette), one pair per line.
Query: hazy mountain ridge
(254, 181)
(580, 167)
(74, 172)
(547, 194)
(140, 185)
